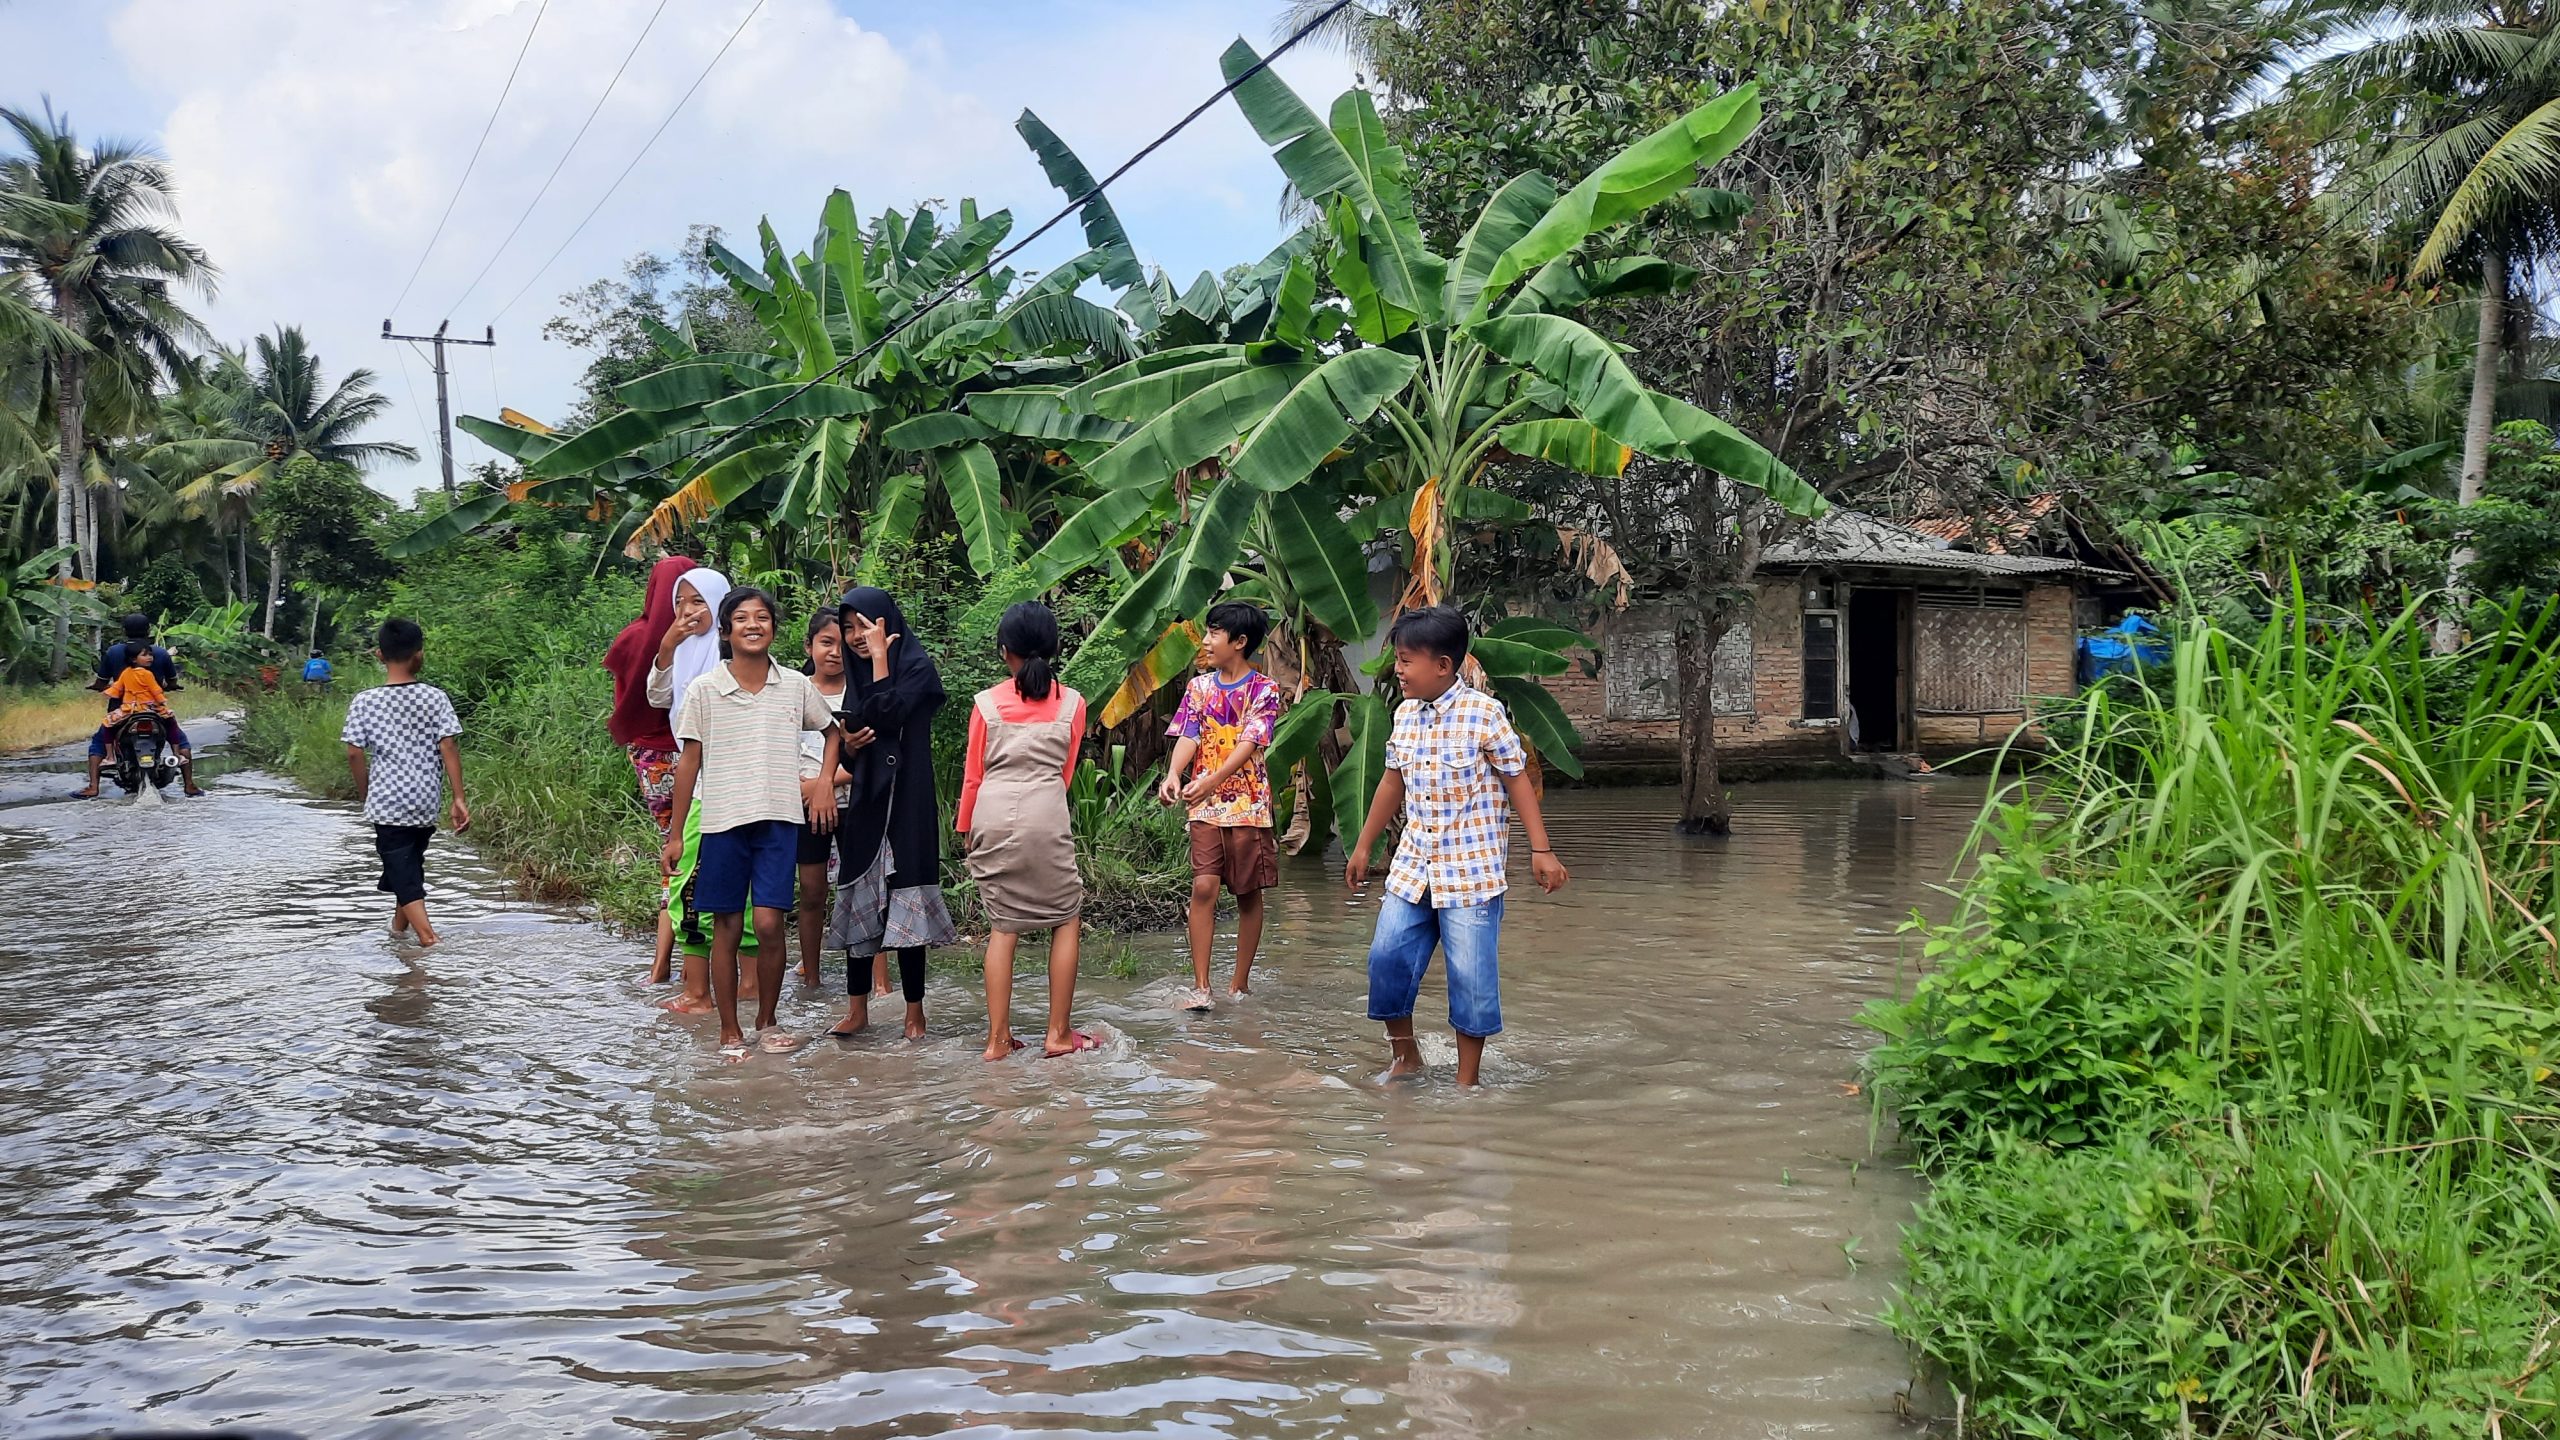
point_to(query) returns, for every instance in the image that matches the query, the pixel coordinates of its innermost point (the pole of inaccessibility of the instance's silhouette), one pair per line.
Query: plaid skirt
(870, 917)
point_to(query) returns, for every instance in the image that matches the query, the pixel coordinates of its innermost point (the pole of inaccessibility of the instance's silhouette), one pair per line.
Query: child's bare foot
(1195, 999)
(687, 1005)
(809, 974)
(733, 1047)
(857, 1018)
(661, 973)
(1069, 1044)
(1237, 992)
(426, 937)
(1001, 1048)
(915, 1022)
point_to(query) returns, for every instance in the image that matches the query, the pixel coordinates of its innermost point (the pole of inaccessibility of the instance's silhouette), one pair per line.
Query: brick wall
(1771, 731)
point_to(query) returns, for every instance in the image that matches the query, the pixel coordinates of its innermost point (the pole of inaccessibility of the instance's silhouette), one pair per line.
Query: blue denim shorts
(1467, 935)
(760, 858)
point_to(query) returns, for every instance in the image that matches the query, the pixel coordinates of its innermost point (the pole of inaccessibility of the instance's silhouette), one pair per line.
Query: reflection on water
(258, 1164)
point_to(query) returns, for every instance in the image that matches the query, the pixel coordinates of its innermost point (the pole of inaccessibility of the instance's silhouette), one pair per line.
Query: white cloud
(318, 142)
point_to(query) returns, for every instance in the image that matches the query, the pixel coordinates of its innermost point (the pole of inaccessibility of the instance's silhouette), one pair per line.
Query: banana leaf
(1300, 730)
(448, 527)
(1095, 529)
(1070, 323)
(1124, 632)
(1211, 545)
(1356, 780)
(1318, 415)
(1169, 657)
(818, 402)
(1085, 394)
(1039, 412)
(1702, 439)
(1102, 228)
(934, 431)
(1633, 181)
(1200, 426)
(521, 446)
(976, 492)
(607, 438)
(1536, 630)
(1596, 382)
(1536, 715)
(899, 504)
(1577, 445)
(1322, 164)
(1326, 566)
(1502, 658)
(1505, 218)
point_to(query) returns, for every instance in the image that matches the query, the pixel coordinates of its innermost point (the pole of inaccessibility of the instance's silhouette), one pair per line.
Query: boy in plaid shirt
(400, 748)
(1451, 762)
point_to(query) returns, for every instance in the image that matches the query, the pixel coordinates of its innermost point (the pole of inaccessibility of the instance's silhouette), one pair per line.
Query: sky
(316, 142)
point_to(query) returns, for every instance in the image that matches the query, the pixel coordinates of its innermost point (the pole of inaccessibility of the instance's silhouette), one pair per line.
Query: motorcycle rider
(136, 649)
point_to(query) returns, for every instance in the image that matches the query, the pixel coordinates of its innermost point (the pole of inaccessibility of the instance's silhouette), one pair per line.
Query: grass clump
(35, 716)
(2235, 1066)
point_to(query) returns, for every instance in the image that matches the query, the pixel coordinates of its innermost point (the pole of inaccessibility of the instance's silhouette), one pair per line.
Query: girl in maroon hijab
(640, 727)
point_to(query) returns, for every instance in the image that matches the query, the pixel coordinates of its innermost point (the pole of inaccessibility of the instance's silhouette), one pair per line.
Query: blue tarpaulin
(2132, 644)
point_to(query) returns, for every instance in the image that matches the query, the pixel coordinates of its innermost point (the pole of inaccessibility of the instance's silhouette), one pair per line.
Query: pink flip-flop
(1076, 1040)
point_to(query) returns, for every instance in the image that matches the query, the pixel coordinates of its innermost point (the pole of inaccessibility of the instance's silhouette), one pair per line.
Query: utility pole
(444, 406)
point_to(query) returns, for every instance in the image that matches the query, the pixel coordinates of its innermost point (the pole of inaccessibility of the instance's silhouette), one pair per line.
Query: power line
(1001, 256)
(468, 290)
(467, 168)
(672, 112)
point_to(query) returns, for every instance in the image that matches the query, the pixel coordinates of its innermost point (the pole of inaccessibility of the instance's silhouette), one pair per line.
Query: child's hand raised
(872, 637)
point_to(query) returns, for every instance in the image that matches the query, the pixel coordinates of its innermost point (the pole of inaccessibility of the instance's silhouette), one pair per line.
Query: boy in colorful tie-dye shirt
(1225, 723)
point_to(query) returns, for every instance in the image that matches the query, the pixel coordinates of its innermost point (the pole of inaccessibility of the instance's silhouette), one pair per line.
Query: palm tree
(272, 409)
(2454, 110)
(81, 237)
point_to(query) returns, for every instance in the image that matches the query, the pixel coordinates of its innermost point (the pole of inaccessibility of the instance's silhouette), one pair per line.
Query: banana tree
(865, 448)
(1419, 373)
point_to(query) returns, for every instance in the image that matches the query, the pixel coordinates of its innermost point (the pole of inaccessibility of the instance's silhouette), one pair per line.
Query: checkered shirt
(400, 727)
(1453, 753)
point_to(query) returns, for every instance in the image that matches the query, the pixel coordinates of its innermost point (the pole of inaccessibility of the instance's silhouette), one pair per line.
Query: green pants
(693, 929)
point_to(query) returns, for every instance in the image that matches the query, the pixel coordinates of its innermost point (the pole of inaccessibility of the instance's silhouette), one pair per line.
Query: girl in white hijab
(692, 643)
(687, 653)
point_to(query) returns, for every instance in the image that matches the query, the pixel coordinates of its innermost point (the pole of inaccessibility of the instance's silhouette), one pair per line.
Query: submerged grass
(2235, 1068)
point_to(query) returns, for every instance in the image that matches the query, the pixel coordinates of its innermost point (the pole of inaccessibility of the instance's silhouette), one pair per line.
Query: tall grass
(34, 716)
(2235, 1066)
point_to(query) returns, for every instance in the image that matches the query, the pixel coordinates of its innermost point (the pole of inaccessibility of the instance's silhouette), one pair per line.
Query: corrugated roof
(1847, 537)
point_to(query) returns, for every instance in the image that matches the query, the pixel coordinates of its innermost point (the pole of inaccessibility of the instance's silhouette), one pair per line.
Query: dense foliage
(2235, 1068)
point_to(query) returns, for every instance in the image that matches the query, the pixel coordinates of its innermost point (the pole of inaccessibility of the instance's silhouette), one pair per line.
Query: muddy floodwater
(259, 1165)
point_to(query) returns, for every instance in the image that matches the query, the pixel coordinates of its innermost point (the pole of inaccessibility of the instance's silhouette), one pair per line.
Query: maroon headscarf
(635, 721)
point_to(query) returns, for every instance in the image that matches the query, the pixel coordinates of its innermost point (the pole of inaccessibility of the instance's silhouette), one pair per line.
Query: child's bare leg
(696, 999)
(1248, 939)
(1064, 943)
(1204, 927)
(399, 919)
(726, 931)
(770, 958)
(665, 961)
(880, 974)
(1406, 1050)
(813, 919)
(1000, 1041)
(1470, 1055)
(415, 912)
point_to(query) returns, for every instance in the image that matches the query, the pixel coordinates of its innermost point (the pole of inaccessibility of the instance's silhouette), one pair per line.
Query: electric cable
(473, 163)
(672, 112)
(518, 227)
(956, 286)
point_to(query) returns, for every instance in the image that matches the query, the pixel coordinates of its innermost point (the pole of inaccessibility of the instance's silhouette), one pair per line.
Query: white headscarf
(696, 654)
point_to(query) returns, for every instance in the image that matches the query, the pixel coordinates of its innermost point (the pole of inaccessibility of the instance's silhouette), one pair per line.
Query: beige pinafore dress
(1022, 849)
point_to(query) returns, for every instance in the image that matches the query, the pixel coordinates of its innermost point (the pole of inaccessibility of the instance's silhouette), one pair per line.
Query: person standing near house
(1452, 760)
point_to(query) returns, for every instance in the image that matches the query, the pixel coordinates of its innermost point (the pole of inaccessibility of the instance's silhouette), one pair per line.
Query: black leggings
(857, 973)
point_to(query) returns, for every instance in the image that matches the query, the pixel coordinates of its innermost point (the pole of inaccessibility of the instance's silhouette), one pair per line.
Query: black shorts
(815, 844)
(403, 849)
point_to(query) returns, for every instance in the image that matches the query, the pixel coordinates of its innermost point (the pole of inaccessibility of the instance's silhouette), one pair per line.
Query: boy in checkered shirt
(400, 747)
(1452, 763)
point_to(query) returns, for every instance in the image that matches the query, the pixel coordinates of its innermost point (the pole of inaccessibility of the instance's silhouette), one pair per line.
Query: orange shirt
(138, 689)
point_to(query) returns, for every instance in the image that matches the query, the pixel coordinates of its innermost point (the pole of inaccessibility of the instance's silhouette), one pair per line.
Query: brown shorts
(1245, 856)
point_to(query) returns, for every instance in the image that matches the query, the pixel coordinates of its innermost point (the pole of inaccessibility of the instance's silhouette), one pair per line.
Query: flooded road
(259, 1165)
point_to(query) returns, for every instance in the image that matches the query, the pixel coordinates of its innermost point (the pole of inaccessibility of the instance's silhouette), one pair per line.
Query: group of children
(758, 774)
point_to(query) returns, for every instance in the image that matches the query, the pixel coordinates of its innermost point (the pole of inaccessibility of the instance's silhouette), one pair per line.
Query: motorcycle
(142, 753)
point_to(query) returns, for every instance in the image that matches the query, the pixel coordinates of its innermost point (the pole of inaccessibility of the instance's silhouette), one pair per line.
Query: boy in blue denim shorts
(1452, 762)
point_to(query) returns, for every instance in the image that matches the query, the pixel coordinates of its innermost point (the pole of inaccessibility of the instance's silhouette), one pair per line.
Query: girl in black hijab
(889, 843)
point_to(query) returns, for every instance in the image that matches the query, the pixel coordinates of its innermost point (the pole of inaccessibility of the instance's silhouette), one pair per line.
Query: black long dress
(892, 797)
